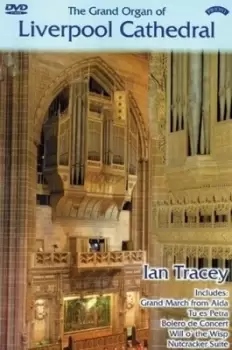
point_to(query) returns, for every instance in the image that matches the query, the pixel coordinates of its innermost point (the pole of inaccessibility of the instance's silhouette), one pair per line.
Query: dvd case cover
(115, 176)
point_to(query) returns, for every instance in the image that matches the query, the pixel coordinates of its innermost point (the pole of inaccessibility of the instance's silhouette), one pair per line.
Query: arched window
(88, 124)
(59, 104)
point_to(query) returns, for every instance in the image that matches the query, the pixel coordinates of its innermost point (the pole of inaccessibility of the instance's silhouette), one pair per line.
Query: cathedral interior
(109, 161)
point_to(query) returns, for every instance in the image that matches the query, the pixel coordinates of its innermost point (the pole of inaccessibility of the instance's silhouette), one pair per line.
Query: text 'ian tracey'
(183, 273)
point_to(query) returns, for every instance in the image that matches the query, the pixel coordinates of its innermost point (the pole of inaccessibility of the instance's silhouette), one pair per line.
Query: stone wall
(58, 232)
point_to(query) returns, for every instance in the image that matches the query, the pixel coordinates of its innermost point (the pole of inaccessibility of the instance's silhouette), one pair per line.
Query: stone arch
(108, 78)
(89, 208)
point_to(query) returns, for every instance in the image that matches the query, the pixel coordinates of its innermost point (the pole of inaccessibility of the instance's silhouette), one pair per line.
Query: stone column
(17, 201)
(157, 335)
(157, 125)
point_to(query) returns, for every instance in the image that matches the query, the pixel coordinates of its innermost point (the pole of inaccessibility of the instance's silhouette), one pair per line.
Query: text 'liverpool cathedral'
(109, 161)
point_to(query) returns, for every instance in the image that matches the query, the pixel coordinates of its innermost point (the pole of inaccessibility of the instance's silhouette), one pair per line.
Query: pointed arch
(108, 79)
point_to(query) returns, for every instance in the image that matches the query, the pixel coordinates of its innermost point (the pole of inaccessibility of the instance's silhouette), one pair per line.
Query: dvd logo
(12, 9)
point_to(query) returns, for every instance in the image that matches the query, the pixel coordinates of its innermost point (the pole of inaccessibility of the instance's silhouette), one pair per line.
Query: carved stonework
(52, 259)
(204, 207)
(158, 75)
(179, 253)
(40, 309)
(157, 126)
(24, 339)
(191, 251)
(45, 288)
(218, 252)
(104, 184)
(203, 252)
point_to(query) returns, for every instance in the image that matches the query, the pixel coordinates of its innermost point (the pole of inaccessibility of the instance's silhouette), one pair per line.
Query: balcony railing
(56, 346)
(50, 259)
(110, 259)
(113, 259)
(111, 342)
